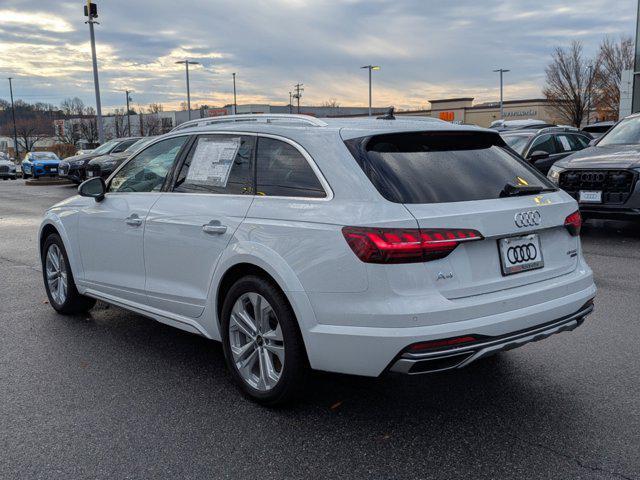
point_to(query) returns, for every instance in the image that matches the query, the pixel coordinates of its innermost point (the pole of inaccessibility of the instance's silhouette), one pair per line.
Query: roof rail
(563, 128)
(254, 117)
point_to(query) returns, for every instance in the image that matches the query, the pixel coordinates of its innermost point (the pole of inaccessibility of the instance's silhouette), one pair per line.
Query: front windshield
(44, 156)
(626, 132)
(138, 145)
(106, 148)
(517, 142)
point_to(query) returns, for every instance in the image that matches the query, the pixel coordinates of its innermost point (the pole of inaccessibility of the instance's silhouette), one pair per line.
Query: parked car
(542, 148)
(604, 177)
(104, 165)
(524, 124)
(358, 246)
(74, 168)
(597, 130)
(7, 167)
(40, 164)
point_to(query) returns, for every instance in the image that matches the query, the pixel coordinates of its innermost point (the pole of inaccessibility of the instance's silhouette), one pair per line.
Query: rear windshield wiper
(511, 190)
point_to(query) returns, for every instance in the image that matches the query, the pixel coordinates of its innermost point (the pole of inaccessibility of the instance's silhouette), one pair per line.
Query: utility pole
(299, 89)
(186, 64)
(370, 68)
(13, 113)
(91, 11)
(235, 104)
(290, 106)
(502, 71)
(590, 67)
(128, 115)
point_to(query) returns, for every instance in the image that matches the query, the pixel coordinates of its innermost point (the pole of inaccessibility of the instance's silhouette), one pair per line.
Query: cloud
(427, 48)
(50, 23)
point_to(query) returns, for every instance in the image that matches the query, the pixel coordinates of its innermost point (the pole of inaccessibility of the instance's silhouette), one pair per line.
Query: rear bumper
(371, 350)
(452, 358)
(607, 213)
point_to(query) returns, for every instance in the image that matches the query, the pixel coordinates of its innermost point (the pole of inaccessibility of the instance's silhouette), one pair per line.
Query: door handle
(214, 228)
(133, 220)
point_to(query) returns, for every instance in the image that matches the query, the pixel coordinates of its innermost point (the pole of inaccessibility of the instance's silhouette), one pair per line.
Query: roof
(303, 125)
(445, 100)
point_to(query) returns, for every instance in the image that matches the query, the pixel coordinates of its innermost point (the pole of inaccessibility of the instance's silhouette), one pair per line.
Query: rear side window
(218, 164)
(283, 171)
(544, 143)
(428, 167)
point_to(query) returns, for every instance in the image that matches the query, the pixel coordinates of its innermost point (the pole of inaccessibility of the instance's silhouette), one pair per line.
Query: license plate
(587, 196)
(89, 174)
(520, 254)
(54, 170)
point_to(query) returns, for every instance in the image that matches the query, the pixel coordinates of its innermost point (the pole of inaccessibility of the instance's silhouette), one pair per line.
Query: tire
(25, 176)
(291, 371)
(66, 301)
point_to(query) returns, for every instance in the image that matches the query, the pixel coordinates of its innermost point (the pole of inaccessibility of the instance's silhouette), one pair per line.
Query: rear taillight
(448, 342)
(407, 245)
(573, 223)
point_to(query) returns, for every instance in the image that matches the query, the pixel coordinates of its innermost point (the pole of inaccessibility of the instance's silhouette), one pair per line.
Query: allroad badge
(529, 218)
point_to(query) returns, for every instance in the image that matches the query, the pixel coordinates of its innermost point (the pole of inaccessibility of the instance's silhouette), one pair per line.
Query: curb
(43, 182)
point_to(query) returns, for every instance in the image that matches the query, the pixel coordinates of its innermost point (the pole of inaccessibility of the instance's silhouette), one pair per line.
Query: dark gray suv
(604, 177)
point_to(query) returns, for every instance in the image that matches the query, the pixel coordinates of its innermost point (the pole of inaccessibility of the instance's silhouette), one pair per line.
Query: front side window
(218, 164)
(147, 171)
(569, 143)
(282, 170)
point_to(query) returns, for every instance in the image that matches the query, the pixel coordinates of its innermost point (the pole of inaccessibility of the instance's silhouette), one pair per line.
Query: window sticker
(212, 161)
(565, 143)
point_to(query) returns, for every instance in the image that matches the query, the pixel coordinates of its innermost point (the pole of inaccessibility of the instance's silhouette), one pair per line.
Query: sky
(426, 49)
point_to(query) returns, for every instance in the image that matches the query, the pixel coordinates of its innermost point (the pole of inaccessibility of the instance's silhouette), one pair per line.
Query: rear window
(428, 167)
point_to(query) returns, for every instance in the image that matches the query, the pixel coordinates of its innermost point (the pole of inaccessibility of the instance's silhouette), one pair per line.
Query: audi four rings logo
(522, 253)
(592, 177)
(528, 219)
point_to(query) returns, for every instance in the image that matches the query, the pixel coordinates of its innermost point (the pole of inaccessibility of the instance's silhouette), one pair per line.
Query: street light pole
(299, 89)
(235, 104)
(370, 68)
(13, 113)
(128, 114)
(290, 106)
(92, 13)
(590, 67)
(186, 64)
(502, 71)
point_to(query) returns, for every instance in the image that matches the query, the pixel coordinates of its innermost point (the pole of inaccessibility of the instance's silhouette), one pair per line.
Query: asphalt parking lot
(115, 395)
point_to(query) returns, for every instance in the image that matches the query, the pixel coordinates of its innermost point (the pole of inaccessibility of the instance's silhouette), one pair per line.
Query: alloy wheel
(256, 341)
(56, 274)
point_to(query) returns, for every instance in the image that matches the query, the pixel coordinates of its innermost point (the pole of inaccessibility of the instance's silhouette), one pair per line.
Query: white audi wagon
(360, 246)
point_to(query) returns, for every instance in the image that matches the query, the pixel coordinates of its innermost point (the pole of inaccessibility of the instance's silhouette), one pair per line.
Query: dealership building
(463, 110)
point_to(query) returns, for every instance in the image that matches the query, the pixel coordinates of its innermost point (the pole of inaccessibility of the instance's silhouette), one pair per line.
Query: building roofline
(459, 99)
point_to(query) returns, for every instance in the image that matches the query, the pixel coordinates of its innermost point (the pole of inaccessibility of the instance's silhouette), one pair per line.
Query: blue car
(40, 164)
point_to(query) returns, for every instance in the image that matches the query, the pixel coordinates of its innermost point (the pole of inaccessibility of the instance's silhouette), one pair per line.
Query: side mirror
(538, 155)
(94, 188)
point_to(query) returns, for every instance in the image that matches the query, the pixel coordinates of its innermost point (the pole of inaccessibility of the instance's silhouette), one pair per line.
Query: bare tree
(331, 103)
(569, 82)
(72, 107)
(155, 108)
(30, 131)
(613, 57)
(89, 130)
(119, 122)
(67, 134)
(183, 106)
(153, 125)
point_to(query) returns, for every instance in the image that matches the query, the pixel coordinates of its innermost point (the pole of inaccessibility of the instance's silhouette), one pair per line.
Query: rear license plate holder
(520, 254)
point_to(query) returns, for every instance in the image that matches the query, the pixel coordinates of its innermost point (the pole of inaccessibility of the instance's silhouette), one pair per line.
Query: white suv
(356, 245)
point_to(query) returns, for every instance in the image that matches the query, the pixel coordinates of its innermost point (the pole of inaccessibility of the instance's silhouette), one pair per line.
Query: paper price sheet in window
(212, 161)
